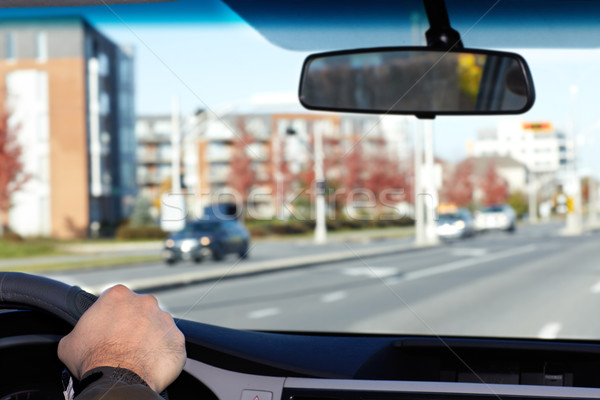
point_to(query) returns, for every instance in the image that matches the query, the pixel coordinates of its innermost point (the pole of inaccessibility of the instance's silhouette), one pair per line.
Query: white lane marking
(265, 312)
(550, 331)
(595, 288)
(456, 265)
(372, 272)
(469, 252)
(334, 296)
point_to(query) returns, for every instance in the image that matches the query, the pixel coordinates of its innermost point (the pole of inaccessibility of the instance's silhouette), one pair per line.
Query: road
(533, 283)
(260, 253)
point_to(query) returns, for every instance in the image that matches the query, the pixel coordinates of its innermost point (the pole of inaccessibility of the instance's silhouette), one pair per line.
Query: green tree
(141, 213)
(518, 200)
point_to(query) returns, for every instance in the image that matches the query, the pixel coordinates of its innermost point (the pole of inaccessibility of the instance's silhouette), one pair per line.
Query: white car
(455, 225)
(499, 217)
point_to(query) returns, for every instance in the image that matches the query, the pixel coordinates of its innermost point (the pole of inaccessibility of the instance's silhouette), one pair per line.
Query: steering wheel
(21, 377)
(19, 290)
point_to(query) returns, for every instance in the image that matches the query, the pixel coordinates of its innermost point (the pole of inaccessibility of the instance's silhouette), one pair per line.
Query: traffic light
(570, 205)
(537, 126)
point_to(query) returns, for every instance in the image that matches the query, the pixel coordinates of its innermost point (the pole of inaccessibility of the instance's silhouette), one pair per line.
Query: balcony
(219, 175)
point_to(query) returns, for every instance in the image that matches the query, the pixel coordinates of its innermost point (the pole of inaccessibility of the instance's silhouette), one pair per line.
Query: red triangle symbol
(256, 398)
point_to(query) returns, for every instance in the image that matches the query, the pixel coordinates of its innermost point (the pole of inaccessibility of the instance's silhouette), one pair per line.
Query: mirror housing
(419, 81)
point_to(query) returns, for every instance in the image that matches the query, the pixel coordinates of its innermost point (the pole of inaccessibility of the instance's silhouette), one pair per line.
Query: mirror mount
(442, 78)
(425, 115)
(440, 35)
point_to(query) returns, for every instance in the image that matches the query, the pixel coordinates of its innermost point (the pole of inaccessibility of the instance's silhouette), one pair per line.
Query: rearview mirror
(415, 80)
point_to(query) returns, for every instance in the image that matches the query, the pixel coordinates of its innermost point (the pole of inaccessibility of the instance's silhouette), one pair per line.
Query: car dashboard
(228, 364)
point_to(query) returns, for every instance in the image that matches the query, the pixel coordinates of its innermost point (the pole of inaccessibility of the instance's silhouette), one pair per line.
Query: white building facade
(539, 146)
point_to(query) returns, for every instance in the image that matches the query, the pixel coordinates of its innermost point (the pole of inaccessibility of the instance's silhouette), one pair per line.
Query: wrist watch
(73, 387)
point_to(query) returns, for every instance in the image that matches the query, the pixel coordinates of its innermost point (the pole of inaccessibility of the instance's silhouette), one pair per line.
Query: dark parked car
(203, 238)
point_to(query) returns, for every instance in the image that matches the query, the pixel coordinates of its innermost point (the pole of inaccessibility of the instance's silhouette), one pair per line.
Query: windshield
(133, 122)
(493, 209)
(449, 217)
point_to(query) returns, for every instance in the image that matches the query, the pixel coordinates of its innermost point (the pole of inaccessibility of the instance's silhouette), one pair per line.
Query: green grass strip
(88, 264)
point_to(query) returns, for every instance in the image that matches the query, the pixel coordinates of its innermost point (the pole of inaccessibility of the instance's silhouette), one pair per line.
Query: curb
(247, 269)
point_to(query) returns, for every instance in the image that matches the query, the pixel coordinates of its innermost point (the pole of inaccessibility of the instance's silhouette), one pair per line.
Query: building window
(103, 65)
(11, 46)
(41, 46)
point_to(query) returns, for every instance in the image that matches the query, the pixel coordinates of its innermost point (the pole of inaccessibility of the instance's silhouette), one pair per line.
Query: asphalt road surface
(534, 283)
(258, 252)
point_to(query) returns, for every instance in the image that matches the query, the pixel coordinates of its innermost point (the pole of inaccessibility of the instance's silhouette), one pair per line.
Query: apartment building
(154, 154)
(154, 136)
(70, 93)
(279, 137)
(538, 145)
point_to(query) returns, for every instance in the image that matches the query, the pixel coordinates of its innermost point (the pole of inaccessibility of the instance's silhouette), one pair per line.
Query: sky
(232, 63)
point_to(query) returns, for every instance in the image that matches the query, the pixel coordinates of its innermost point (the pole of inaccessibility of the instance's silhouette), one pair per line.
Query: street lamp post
(320, 226)
(425, 234)
(176, 148)
(574, 216)
(418, 188)
(320, 209)
(532, 192)
(277, 161)
(430, 217)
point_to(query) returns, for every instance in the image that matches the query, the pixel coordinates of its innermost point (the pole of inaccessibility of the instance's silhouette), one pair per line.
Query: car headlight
(205, 241)
(169, 243)
(459, 224)
(188, 244)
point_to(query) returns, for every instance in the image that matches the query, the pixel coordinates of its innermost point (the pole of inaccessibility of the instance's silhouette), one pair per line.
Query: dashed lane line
(263, 313)
(456, 265)
(333, 297)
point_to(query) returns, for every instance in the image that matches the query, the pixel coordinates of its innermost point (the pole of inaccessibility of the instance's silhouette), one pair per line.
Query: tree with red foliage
(458, 188)
(12, 177)
(383, 176)
(352, 167)
(242, 176)
(585, 189)
(282, 186)
(494, 187)
(306, 177)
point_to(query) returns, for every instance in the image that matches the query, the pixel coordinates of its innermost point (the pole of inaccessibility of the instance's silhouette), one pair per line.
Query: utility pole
(593, 201)
(320, 210)
(418, 187)
(173, 207)
(277, 162)
(574, 215)
(320, 226)
(175, 148)
(430, 196)
(532, 198)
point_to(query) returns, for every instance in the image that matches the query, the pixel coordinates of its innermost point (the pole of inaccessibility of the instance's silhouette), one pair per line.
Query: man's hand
(126, 330)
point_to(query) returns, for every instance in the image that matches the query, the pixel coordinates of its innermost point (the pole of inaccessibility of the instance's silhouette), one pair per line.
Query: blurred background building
(546, 152)
(70, 93)
(539, 146)
(262, 150)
